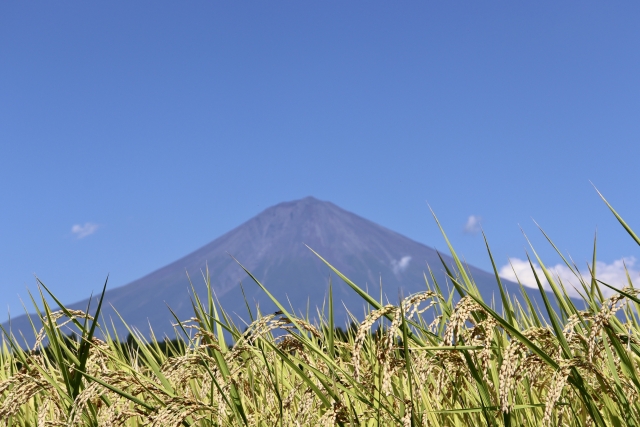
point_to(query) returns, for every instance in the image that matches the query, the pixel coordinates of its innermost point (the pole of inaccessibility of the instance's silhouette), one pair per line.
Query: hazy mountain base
(306, 297)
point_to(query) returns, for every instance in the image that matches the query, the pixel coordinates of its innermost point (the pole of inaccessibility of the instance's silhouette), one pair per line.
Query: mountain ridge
(272, 246)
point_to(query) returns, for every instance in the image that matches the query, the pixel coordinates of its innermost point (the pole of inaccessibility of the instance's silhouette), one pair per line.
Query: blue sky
(132, 133)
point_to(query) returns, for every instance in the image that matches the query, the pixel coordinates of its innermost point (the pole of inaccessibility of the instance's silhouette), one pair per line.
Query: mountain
(272, 246)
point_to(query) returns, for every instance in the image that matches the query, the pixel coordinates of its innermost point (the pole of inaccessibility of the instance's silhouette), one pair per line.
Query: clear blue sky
(154, 127)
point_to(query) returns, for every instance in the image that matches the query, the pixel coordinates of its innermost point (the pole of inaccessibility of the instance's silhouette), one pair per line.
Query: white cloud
(400, 266)
(83, 230)
(613, 274)
(473, 224)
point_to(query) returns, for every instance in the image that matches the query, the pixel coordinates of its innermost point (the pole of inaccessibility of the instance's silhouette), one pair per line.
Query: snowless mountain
(272, 246)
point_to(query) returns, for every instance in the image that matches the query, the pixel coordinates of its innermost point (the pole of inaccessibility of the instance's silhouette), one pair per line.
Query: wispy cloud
(473, 224)
(400, 266)
(613, 274)
(83, 230)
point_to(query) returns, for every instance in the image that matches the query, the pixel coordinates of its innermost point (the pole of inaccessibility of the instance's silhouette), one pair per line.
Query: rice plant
(433, 359)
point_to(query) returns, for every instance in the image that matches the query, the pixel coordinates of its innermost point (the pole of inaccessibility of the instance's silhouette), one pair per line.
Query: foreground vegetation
(434, 359)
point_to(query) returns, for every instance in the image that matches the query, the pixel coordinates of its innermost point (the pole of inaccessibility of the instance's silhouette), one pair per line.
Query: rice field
(437, 358)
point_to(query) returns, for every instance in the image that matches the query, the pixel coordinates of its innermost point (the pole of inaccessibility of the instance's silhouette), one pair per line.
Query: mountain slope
(272, 246)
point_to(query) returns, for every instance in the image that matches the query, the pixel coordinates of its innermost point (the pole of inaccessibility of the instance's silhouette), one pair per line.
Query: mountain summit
(272, 246)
